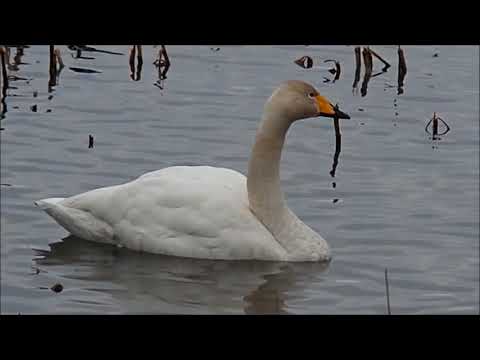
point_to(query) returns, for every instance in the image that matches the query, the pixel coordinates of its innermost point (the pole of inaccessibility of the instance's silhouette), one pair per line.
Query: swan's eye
(311, 95)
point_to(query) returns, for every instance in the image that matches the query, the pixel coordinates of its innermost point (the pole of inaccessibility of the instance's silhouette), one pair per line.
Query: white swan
(207, 212)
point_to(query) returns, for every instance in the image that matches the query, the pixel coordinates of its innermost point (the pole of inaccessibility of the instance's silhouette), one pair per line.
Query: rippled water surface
(399, 200)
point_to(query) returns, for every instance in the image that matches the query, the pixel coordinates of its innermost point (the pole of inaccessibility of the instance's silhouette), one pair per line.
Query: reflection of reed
(136, 71)
(335, 71)
(435, 122)
(402, 70)
(163, 65)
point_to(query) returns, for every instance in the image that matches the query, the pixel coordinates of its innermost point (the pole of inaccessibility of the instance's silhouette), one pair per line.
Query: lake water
(399, 200)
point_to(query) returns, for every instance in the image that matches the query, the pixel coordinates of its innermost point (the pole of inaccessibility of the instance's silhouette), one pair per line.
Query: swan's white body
(200, 211)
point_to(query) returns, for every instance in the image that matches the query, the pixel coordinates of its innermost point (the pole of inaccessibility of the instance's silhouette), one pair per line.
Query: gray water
(399, 200)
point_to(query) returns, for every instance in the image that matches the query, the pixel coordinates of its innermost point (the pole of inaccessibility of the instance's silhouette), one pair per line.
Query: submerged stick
(388, 292)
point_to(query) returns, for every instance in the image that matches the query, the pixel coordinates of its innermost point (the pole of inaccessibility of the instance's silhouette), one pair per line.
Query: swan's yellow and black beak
(325, 108)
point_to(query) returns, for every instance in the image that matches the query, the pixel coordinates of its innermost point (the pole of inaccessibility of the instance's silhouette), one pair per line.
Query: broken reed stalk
(402, 70)
(135, 71)
(165, 63)
(388, 292)
(358, 66)
(4, 71)
(337, 74)
(338, 146)
(139, 62)
(387, 65)
(139, 55)
(52, 68)
(367, 60)
(58, 58)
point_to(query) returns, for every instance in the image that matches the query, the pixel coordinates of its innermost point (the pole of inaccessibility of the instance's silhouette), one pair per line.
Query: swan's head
(297, 100)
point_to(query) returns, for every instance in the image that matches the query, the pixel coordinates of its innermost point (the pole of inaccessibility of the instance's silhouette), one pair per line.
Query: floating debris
(214, 49)
(33, 108)
(90, 141)
(35, 94)
(80, 48)
(84, 70)
(305, 62)
(48, 110)
(50, 97)
(361, 109)
(57, 288)
(335, 200)
(435, 55)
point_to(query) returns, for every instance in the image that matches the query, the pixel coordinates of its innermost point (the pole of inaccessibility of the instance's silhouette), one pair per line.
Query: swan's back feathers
(197, 211)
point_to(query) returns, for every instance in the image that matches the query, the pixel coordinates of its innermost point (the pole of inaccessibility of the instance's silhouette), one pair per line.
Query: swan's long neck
(266, 198)
(264, 193)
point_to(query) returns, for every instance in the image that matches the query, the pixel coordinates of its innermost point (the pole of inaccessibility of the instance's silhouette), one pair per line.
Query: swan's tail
(47, 203)
(76, 221)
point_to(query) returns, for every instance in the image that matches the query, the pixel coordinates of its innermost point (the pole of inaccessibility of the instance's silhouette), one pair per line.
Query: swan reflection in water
(147, 283)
